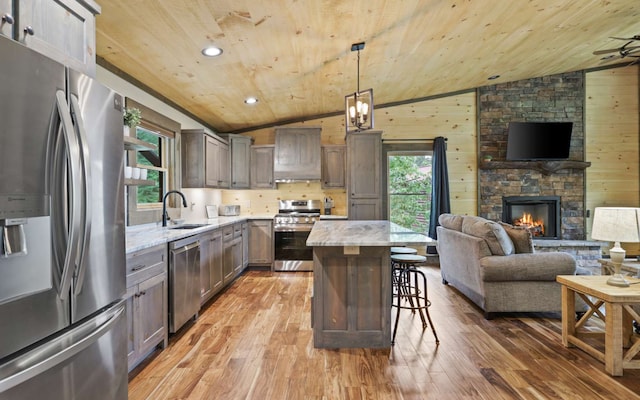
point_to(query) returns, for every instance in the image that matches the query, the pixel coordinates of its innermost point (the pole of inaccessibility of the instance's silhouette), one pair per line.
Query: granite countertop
(140, 237)
(364, 233)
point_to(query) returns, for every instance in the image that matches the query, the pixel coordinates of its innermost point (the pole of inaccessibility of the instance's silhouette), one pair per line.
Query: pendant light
(359, 105)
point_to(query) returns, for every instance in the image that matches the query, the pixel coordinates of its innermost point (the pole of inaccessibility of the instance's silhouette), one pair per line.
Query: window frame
(155, 122)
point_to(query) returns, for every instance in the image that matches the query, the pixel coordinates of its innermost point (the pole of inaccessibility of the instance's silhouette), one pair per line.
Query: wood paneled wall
(612, 141)
(453, 117)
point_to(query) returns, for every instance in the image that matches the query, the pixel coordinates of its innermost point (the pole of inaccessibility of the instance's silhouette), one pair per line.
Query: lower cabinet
(211, 261)
(261, 242)
(147, 288)
(228, 269)
(238, 253)
(245, 245)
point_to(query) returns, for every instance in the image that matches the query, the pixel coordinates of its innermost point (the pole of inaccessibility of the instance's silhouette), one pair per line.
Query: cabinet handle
(138, 267)
(29, 30)
(8, 18)
(143, 293)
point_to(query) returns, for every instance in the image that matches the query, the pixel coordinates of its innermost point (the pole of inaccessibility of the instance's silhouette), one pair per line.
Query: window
(157, 165)
(409, 189)
(144, 202)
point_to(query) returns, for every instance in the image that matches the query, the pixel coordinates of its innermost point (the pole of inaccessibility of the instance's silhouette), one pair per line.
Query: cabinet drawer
(227, 233)
(237, 231)
(146, 263)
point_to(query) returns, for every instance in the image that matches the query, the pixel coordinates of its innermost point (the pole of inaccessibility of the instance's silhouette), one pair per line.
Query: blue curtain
(439, 187)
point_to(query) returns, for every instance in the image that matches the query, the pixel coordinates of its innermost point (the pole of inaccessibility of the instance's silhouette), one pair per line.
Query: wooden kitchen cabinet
(261, 242)
(245, 245)
(146, 302)
(211, 264)
(238, 252)
(364, 170)
(262, 167)
(240, 151)
(333, 166)
(205, 160)
(297, 154)
(64, 30)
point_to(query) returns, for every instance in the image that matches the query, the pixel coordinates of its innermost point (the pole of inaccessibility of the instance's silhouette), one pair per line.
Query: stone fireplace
(539, 214)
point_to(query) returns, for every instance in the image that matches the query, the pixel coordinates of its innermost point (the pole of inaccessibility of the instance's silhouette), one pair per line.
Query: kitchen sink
(188, 226)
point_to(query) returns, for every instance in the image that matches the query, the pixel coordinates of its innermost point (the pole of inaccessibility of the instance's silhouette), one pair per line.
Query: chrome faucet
(164, 204)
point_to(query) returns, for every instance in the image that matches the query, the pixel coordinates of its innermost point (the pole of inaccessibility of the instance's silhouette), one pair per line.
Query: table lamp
(616, 224)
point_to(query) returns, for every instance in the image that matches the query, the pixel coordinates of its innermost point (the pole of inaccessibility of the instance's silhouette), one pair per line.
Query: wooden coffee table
(618, 316)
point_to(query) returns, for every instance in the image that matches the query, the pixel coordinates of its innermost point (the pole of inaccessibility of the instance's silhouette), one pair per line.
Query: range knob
(306, 219)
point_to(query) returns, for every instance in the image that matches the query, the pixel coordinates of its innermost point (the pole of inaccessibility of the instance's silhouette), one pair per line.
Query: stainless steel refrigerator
(62, 258)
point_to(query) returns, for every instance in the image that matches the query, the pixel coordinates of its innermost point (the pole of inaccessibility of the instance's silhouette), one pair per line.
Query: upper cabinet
(364, 166)
(262, 167)
(205, 160)
(333, 166)
(240, 151)
(297, 154)
(64, 30)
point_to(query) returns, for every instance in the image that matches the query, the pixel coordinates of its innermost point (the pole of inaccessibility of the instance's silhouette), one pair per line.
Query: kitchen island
(352, 291)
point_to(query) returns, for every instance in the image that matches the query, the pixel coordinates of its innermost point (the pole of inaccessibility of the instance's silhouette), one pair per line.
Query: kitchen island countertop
(364, 233)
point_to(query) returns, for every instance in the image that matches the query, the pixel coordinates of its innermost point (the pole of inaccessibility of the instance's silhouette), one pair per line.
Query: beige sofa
(495, 266)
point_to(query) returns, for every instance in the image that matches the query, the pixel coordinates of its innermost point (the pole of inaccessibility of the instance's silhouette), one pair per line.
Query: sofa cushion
(520, 236)
(451, 221)
(495, 236)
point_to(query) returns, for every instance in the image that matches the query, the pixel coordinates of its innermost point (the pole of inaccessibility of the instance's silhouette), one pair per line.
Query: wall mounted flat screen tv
(539, 140)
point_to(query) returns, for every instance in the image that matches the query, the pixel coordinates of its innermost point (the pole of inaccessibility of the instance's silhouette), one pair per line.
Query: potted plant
(131, 119)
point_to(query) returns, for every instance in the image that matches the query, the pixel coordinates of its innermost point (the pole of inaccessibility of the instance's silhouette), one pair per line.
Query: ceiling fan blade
(599, 52)
(634, 37)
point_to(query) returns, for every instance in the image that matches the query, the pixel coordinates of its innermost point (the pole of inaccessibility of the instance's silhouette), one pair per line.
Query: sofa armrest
(527, 267)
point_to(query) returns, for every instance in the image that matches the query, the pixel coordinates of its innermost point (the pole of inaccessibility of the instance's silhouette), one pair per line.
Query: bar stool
(408, 283)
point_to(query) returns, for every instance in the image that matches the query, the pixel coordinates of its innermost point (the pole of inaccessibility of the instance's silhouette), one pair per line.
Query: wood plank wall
(453, 117)
(612, 141)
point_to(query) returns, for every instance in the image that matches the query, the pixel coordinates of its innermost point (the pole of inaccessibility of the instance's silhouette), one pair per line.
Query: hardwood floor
(255, 342)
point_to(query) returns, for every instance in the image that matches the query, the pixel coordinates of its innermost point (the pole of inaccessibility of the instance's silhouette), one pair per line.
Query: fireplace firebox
(539, 214)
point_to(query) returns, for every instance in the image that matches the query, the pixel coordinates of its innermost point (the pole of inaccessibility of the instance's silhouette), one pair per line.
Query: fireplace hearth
(539, 214)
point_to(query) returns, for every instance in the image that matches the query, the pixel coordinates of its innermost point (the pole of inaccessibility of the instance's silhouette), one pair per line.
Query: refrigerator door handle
(73, 156)
(60, 349)
(76, 113)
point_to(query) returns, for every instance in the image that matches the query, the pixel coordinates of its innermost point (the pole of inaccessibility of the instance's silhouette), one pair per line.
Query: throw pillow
(520, 236)
(496, 237)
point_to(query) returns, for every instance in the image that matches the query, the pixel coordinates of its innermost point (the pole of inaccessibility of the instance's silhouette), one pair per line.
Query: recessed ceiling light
(212, 51)
(492, 77)
(251, 100)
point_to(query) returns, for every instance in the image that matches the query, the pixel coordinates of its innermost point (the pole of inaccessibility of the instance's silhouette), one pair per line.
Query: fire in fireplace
(539, 214)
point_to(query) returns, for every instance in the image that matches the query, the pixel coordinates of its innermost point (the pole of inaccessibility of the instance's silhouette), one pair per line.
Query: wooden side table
(617, 317)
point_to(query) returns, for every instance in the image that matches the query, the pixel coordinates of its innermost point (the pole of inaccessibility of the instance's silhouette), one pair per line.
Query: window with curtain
(409, 189)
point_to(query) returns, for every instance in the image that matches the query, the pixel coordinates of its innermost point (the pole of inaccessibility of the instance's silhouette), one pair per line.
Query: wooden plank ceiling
(295, 56)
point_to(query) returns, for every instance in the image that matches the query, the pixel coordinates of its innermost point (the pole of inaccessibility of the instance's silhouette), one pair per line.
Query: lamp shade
(616, 224)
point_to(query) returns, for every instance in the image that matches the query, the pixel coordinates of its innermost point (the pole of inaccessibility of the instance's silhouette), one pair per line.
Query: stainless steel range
(291, 227)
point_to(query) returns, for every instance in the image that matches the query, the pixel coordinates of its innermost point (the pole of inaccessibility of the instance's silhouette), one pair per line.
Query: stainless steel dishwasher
(184, 281)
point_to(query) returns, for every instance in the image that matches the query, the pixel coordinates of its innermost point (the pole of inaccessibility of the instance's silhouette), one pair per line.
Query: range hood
(297, 154)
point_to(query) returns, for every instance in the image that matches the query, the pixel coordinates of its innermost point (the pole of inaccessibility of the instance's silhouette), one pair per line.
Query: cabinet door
(364, 153)
(262, 167)
(131, 312)
(245, 245)
(224, 166)
(206, 288)
(227, 263)
(216, 261)
(333, 166)
(212, 162)
(7, 18)
(365, 209)
(260, 242)
(62, 29)
(152, 316)
(240, 166)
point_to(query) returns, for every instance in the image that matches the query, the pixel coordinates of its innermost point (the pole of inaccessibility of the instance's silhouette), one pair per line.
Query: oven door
(291, 250)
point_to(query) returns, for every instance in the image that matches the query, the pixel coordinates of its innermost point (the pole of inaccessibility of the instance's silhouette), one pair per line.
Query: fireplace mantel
(546, 167)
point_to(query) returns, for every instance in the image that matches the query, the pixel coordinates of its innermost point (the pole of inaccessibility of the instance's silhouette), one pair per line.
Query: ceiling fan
(627, 50)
